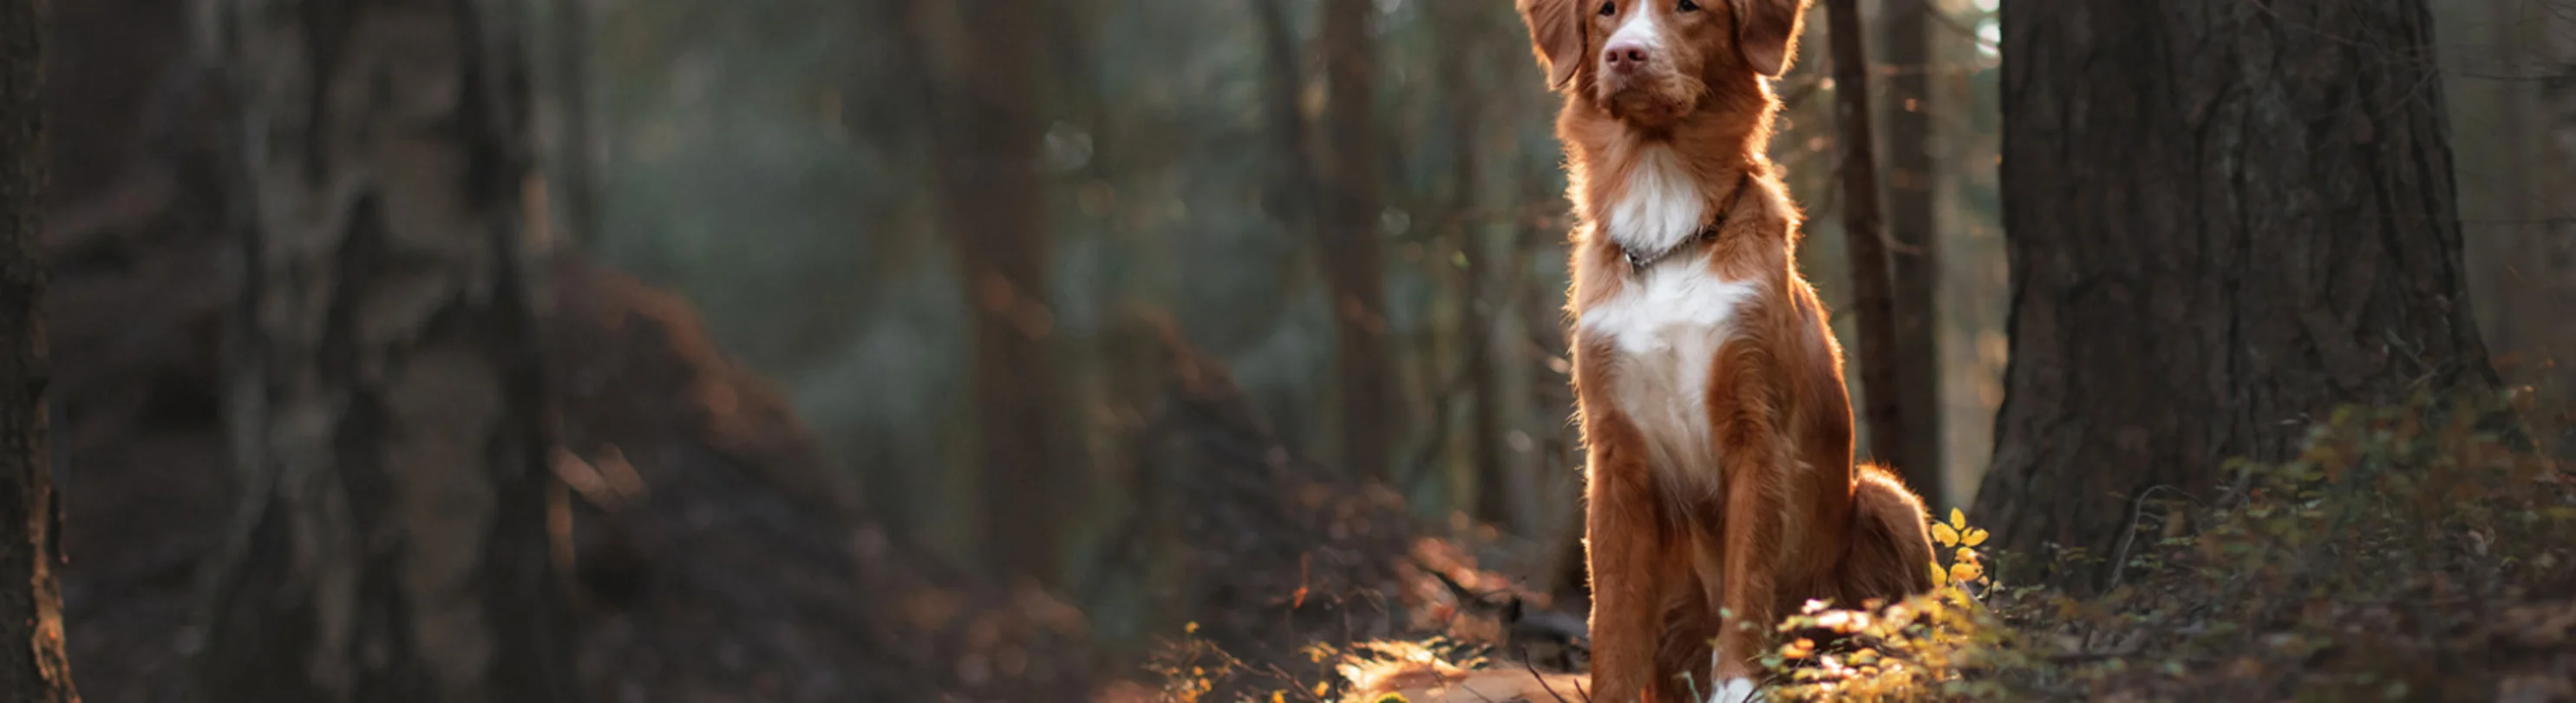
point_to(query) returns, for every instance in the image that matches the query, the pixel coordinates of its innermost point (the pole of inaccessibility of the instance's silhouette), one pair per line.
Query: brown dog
(1722, 491)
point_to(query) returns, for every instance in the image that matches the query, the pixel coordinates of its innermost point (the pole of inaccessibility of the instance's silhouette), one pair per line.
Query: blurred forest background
(899, 350)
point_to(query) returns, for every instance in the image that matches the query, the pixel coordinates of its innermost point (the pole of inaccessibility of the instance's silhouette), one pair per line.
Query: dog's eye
(1687, 6)
(1609, 8)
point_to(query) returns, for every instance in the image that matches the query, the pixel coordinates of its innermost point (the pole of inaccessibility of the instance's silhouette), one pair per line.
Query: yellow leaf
(1938, 576)
(1798, 650)
(1190, 628)
(1943, 534)
(1966, 554)
(1967, 572)
(1322, 688)
(1973, 537)
(1958, 519)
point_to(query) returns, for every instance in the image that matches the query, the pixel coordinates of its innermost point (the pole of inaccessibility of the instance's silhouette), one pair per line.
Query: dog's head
(1654, 61)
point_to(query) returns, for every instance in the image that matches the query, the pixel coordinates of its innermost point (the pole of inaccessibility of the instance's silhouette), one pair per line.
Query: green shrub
(2403, 554)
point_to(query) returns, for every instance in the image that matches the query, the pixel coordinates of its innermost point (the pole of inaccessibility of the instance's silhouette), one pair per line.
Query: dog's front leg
(1748, 587)
(1623, 540)
(1745, 585)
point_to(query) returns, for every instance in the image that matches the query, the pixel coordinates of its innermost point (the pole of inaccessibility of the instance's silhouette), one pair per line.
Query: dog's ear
(1556, 33)
(1766, 33)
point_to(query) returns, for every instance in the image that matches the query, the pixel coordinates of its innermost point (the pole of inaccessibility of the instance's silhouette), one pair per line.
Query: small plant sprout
(1965, 566)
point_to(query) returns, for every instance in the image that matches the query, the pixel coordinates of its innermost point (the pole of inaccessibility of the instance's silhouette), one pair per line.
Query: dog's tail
(1889, 555)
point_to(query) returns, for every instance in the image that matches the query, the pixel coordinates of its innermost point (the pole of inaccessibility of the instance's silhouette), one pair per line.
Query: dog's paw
(1733, 691)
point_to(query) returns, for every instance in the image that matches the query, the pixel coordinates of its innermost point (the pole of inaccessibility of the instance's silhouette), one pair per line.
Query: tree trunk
(1916, 265)
(32, 665)
(1353, 273)
(1863, 232)
(2526, 259)
(1294, 193)
(575, 162)
(2224, 219)
(994, 209)
(2552, 241)
(388, 400)
(1463, 32)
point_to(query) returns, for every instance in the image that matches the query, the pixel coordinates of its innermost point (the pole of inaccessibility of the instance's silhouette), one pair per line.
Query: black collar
(1638, 262)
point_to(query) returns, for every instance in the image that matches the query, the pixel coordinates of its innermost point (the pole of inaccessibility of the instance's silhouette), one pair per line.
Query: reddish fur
(1795, 520)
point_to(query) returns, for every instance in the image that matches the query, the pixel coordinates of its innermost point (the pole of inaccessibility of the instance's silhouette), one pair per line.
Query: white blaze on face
(1643, 31)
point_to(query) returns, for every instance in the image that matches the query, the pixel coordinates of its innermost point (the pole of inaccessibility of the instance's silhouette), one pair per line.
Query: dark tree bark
(387, 397)
(1873, 297)
(575, 161)
(2225, 218)
(1294, 187)
(32, 665)
(993, 206)
(1916, 264)
(2551, 243)
(2527, 293)
(1354, 274)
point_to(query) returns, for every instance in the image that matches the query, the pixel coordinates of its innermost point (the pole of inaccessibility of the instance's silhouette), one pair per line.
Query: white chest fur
(1661, 205)
(1666, 323)
(1665, 328)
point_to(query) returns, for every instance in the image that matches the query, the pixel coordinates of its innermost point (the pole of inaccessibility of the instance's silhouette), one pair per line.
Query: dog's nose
(1624, 56)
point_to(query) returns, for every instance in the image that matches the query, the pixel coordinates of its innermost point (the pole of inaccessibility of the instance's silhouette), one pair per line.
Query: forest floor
(2420, 552)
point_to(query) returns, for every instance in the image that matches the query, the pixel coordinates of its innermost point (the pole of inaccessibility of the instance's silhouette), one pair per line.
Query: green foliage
(2406, 551)
(2366, 566)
